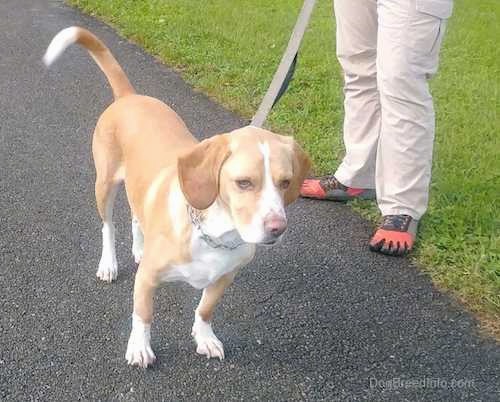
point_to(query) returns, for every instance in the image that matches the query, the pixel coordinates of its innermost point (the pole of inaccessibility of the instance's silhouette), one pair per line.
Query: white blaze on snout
(270, 201)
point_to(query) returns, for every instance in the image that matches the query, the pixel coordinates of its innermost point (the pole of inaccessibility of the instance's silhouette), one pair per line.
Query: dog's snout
(275, 225)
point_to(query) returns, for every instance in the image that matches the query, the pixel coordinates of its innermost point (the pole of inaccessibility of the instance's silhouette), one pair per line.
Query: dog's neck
(215, 226)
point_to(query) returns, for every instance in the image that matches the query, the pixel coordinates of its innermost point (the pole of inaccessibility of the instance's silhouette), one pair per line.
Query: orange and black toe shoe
(329, 188)
(395, 236)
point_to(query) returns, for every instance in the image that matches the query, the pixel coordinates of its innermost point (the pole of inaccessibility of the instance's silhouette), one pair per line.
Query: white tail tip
(58, 45)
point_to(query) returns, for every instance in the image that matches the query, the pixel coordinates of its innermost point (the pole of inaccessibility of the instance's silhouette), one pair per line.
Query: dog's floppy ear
(301, 167)
(199, 171)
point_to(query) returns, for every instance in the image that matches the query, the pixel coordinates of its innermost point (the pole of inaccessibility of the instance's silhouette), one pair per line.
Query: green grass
(230, 49)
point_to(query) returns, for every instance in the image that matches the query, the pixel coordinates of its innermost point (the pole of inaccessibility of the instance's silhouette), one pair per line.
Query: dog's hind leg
(105, 196)
(106, 187)
(137, 240)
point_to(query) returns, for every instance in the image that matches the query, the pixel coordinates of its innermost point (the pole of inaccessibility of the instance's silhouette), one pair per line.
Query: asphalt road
(316, 318)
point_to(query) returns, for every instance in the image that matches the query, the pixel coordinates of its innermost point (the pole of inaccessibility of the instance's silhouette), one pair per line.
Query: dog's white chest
(208, 264)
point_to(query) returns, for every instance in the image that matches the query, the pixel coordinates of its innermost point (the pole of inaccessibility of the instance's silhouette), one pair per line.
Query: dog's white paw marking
(108, 267)
(137, 241)
(137, 252)
(139, 352)
(207, 343)
(210, 347)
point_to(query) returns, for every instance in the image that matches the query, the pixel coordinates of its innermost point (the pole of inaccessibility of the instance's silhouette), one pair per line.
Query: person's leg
(409, 38)
(356, 39)
(356, 51)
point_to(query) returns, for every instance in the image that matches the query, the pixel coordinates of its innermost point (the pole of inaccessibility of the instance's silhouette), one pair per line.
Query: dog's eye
(244, 184)
(284, 184)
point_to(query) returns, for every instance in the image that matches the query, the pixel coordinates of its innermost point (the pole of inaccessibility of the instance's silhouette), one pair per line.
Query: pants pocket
(438, 8)
(426, 31)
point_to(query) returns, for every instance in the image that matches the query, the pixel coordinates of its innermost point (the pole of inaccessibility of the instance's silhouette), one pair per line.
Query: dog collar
(226, 241)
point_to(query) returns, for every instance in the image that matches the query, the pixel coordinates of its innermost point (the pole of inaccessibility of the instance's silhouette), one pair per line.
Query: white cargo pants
(388, 49)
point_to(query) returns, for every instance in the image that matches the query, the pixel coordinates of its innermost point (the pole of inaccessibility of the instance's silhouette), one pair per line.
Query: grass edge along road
(230, 51)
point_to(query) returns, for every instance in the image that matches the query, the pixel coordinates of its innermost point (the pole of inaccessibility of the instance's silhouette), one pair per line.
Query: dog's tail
(100, 53)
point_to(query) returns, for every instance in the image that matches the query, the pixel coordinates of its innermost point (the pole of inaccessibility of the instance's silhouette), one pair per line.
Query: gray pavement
(318, 317)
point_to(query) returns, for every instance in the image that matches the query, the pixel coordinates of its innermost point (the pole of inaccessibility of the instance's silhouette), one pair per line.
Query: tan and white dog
(198, 208)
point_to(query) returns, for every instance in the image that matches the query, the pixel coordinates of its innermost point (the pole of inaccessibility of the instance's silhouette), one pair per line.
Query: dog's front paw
(139, 352)
(210, 347)
(206, 341)
(108, 269)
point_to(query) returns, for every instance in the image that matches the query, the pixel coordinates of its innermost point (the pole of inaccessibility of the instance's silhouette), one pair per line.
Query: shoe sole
(343, 196)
